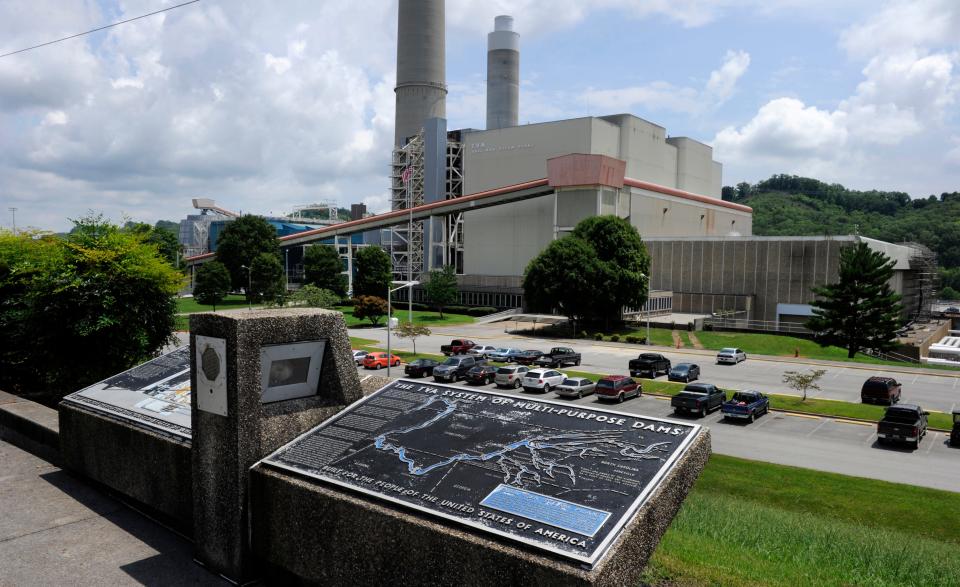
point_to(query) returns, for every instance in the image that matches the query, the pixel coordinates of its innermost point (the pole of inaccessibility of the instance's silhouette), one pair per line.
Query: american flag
(405, 176)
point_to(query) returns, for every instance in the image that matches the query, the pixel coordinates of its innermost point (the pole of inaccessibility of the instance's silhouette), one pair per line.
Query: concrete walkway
(58, 530)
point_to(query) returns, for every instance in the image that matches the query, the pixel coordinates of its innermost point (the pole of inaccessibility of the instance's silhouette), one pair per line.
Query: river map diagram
(557, 476)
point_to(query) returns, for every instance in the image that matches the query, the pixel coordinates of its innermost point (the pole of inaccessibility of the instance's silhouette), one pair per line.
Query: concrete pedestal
(309, 533)
(151, 468)
(226, 446)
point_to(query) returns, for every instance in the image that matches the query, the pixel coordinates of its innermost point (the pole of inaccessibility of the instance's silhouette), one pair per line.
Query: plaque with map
(155, 394)
(557, 476)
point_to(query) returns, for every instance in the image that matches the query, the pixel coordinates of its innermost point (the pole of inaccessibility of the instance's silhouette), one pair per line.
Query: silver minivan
(510, 376)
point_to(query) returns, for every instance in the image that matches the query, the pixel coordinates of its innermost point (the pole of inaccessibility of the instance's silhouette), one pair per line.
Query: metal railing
(760, 325)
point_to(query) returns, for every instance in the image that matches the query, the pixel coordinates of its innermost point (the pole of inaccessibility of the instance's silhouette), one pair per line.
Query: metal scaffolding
(922, 289)
(406, 186)
(405, 243)
(454, 225)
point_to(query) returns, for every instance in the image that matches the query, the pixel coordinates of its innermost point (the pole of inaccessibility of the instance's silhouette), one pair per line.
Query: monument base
(307, 532)
(151, 468)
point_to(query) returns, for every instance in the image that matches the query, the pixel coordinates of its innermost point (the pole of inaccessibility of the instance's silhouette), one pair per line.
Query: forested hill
(800, 206)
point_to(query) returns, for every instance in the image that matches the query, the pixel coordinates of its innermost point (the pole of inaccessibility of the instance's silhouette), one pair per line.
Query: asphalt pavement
(825, 444)
(937, 390)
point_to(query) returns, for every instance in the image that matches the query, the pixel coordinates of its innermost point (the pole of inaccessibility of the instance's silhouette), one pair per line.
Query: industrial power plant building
(488, 201)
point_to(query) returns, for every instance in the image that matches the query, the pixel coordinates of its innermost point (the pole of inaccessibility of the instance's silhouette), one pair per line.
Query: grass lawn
(190, 305)
(752, 523)
(784, 346)
(419, 317)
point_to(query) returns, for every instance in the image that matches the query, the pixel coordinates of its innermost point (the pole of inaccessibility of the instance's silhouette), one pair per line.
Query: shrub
(597, 336)
(369, 307)
(583, 334)
(632, 339)
(614, 338)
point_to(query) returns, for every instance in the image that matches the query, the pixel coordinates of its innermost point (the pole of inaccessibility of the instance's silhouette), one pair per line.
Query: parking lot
(826, 444)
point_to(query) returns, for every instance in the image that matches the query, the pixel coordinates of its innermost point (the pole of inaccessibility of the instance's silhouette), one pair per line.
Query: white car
(542, 379)
(482, 350)
(731, 355)
(358, 356)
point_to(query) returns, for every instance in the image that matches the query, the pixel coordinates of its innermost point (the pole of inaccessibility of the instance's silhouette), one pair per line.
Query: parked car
(455, 368)
(481, 374)
(358, 356)
(651, 363)
(698, 398)
(955, 433)
(558, 357)
(952, 310)
(903, 423)
(731, 355)
(542, 379)
(685, 372)
(507, 355)
(510, 376)
(379, 361)
(576, 387)
(618, 387)
(420, 367)
(529, 357)
(881, 390)
(482, 350)
(457, 346)
(746, 405)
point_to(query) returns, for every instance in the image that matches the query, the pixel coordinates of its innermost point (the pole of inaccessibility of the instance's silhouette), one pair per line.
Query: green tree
(323, 268)
(241, 241)
(314, 297)
(860, 311)
(212, 284)
(411, 331)
(373, 272)
(441, 288)
(948, 293)
(167, 242)
(561, 279)
(623, 265)
(87, 306)
(369, 307)
(803, 382)
(266, 278)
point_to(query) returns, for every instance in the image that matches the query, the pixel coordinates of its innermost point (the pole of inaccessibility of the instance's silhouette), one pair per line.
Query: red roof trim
(653, 187)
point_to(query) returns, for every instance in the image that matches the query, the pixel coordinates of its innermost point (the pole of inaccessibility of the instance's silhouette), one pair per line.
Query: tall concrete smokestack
(503, 74)
(421, 66)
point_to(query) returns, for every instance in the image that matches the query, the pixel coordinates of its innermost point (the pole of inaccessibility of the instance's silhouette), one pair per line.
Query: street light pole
(249, 287)
(409, 284)
(286, 271)
(13, 213)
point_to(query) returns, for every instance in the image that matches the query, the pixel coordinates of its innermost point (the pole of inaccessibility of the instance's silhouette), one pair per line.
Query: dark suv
(882, 390)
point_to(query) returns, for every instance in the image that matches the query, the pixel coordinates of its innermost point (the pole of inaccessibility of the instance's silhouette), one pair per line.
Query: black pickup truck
(903, 423)
(698, 398)
(558, 357)
(649, 363)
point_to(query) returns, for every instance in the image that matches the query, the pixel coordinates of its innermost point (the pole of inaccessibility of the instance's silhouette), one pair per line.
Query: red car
(618, 387)
(379, 361)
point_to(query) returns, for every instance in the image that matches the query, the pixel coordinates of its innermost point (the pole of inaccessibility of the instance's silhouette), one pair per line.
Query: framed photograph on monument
(290, 371)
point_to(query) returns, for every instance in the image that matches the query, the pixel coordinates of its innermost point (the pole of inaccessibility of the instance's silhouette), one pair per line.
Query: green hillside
(791, 205)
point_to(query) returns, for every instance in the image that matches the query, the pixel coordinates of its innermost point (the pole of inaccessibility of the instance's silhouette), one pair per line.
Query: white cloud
(784, 129)
(723, 81)
(909, 88)
(904, 24)
(661, 95)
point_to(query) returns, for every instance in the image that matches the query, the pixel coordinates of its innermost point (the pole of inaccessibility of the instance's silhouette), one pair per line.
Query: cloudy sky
(264, 104)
